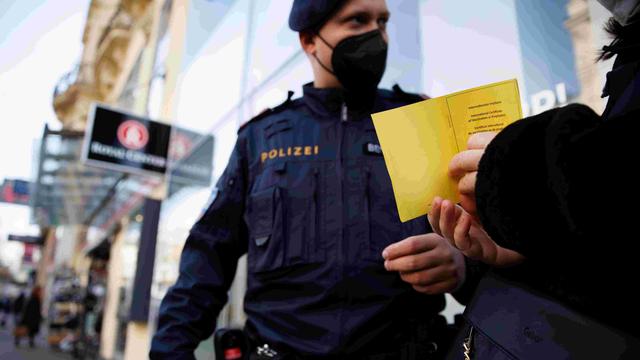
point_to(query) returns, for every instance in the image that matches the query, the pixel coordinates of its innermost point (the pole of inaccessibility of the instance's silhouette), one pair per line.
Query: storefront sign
(126, 142)
(15, 192)
(27, 258)
(545, 100)
(191, 158)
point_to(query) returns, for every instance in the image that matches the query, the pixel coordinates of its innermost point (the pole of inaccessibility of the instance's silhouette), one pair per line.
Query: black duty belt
(428, 340)
(405, 352)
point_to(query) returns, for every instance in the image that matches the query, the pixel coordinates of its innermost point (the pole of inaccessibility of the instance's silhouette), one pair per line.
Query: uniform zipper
(341, 247)
(468, 345)
(345, 112)
(367, 196)
(316, 214)
(341, 131)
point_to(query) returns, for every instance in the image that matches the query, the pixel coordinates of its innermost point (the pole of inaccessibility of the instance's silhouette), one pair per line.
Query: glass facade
(240, 58)
(529, 42)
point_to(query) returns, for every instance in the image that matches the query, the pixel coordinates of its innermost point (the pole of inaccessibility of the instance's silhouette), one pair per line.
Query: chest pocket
(384, 225)
(264, 219)
(284, 217)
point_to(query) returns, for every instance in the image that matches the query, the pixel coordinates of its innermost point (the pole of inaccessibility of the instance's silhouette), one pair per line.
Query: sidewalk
(41, 351)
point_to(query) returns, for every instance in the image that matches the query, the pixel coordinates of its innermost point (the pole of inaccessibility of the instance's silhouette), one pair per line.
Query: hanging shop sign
(126, 142)
(15, 191)
(27, 239)
(190, 158)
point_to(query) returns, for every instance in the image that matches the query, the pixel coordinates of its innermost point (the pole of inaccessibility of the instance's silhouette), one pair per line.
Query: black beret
(306, 14)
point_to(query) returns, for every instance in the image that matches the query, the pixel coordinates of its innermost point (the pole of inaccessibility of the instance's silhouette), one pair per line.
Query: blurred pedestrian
(5, 309)
(29, 323)
(17, 305)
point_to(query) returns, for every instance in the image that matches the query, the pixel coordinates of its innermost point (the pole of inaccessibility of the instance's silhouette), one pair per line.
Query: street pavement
(41, 351)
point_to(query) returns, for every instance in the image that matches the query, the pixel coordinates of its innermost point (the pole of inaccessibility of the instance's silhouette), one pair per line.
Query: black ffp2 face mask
(359, 61)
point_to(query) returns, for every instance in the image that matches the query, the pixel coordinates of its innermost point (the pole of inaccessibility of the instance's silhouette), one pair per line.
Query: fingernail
(385, 253)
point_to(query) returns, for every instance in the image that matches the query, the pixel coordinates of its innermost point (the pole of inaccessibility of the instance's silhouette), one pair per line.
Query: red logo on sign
(133, 135)
(232, 354)
(179, 147)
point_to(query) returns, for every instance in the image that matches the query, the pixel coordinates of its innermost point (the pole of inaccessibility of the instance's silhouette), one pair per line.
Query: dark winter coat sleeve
(557, 186)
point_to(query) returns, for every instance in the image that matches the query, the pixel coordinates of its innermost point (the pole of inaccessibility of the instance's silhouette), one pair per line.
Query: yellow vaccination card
(419, 140)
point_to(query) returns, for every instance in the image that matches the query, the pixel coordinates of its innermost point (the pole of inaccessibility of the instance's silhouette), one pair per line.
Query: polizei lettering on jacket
(291, 151)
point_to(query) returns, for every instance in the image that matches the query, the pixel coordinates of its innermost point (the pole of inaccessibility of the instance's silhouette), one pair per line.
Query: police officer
(306, 194)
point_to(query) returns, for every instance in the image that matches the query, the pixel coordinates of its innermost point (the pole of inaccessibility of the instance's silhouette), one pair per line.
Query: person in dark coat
(17, 305)
(31, 316)
(5, 309)
(550, 202)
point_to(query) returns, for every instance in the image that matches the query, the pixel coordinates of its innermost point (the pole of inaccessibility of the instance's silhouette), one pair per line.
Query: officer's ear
(308, 41)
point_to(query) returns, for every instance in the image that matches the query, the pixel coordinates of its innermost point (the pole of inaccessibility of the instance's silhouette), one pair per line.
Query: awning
(69, 193)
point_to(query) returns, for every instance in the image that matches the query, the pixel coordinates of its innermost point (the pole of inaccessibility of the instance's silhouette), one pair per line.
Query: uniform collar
(331, 101)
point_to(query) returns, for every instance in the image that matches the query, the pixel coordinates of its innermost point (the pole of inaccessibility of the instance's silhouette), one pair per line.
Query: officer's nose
(375, 25)
(383, 31)
(379, 25)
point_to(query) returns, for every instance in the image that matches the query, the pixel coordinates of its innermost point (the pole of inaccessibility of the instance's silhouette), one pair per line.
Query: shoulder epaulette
(269, 111)
(398, 91)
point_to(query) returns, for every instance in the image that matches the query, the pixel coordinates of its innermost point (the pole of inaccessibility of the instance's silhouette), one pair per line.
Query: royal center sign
(129, 143)
(126, 142)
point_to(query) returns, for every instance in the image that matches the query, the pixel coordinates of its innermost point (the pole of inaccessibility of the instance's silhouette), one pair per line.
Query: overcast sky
(39, 42)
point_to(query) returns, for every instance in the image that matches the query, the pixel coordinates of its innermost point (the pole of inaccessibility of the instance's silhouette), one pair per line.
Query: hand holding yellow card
(418, 141)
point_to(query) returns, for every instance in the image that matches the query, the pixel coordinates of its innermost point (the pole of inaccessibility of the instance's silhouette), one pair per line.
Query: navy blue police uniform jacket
(307, 195)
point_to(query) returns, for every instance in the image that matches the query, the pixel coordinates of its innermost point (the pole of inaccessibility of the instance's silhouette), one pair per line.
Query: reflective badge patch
(372, 149)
